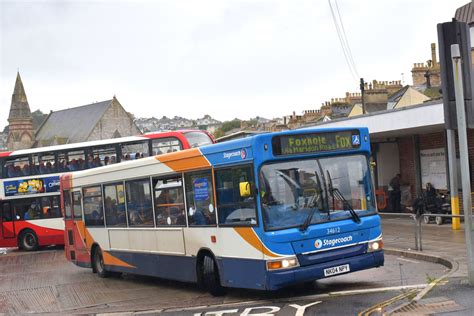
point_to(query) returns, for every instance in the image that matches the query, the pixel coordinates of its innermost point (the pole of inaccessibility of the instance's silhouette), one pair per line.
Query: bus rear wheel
(210, 280)
(28, 240)
(98, 263)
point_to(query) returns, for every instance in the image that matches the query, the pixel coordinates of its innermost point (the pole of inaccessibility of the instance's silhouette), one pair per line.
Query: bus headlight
(375, 245)
(280, 264)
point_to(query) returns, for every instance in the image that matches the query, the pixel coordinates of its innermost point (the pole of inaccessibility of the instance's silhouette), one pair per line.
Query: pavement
(448, 295)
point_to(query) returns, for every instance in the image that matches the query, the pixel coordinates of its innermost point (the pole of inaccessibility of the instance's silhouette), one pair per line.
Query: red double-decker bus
(30, 214)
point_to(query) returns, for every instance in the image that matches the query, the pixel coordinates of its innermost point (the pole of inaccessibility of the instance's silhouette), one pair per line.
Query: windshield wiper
(308, 219)
(337, 194)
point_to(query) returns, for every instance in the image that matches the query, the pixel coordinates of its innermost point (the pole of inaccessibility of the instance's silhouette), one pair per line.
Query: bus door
(79, 231)
(7, 221)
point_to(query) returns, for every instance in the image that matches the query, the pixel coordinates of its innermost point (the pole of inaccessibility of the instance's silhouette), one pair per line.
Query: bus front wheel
(210, 276)
(28, 240)
(98, 263)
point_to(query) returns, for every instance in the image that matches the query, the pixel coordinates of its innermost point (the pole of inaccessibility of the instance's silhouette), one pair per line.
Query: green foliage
(227, 126)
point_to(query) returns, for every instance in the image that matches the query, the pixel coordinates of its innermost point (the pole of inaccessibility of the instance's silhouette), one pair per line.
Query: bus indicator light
(213, 239)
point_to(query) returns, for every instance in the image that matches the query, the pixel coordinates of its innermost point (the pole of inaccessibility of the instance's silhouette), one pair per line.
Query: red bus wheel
(28, 240)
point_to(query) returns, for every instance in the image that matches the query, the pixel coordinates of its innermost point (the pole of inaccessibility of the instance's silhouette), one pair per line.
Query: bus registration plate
(336, 270)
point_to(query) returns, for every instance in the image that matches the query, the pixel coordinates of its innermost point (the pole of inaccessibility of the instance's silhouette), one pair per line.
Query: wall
(388, 162)
(114, 119)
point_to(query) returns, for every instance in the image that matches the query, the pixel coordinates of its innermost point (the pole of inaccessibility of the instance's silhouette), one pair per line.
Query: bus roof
(231, 152)
(95, 143)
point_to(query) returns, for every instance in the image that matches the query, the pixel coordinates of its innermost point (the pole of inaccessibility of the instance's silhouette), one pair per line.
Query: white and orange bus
(261, 212)
(29, 186)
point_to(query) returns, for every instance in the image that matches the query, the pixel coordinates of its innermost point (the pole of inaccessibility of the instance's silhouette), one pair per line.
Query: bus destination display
(311, 143)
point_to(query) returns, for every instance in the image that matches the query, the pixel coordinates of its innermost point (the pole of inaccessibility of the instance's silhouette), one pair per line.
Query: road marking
(379, 307)
(315, 297)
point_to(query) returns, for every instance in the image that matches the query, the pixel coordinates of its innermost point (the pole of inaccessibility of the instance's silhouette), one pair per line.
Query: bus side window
(114, 202)
(139, 205)
(134, 150)
(6, 213)
(169, 201)
(76, 205)
(67, 204)
(93, 212)
(235, 210)
(200, 198)
(165, 145)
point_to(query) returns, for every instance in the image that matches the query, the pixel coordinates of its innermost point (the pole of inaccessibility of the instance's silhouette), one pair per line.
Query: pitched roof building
(100, 120)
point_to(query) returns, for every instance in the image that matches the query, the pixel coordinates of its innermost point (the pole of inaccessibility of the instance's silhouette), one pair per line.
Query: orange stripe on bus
(114, 261)
(249, 236)
(108, 258)
(184, 160)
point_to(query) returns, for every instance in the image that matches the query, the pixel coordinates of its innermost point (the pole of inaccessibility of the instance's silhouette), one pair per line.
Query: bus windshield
(298, 193)
(197, 139)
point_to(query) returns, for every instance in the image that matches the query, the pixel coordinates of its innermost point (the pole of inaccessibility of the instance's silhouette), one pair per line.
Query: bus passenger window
(44, 163)
(6, 213)
(135, 150)
(165, 145)
(139, 205)
(17, 167)
(76, 160)
(200, 199)
(169, 202)
(115, 205)
(67, 204)
(76, 205)
(234, 209)
(93, 213)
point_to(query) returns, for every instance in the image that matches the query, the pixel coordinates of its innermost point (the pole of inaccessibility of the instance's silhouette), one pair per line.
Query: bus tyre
(426, 219)
(28, 240)
(210, 276)
(439, 220)
(98, 264)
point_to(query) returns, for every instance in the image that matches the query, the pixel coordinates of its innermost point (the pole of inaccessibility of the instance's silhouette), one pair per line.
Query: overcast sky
(224, 58)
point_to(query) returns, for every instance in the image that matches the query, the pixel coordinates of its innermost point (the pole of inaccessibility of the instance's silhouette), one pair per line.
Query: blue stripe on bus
(173, 267)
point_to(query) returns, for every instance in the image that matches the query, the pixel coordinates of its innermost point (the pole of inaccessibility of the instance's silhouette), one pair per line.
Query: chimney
(433, 54)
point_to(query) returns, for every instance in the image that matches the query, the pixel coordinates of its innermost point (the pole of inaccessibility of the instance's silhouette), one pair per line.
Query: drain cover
(429, 306)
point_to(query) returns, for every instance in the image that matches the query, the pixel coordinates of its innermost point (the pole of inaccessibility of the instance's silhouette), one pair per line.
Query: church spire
(19, 107)
(20, 128)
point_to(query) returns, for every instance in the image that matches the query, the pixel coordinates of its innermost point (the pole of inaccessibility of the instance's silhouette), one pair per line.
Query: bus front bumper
(283, 278)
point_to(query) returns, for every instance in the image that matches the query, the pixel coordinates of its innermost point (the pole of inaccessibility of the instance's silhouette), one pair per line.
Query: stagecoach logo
(242, 153)
(318, 243)
(332, 242)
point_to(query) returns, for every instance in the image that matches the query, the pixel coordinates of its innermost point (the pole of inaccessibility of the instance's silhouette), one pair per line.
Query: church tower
(20, 129)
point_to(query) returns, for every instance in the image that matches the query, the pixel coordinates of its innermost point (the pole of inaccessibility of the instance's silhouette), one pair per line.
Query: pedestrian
(395, 193)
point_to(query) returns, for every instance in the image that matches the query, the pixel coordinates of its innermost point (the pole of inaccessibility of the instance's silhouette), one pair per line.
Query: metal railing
(417, 221)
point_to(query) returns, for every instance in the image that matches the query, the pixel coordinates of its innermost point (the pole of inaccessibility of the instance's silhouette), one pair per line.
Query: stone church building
(100, 120)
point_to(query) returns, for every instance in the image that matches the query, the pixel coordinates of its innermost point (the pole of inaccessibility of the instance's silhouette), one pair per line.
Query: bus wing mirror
(245, 190)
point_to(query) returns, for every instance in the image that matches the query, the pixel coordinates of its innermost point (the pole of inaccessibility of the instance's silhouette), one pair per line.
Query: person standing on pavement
(396, 194)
